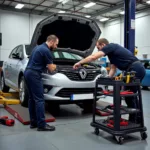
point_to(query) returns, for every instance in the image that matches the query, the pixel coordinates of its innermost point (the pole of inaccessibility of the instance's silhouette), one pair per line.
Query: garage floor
(73, 132)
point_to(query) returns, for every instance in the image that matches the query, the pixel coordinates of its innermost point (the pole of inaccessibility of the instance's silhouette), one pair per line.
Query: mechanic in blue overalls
(122, 59)
(40, 58)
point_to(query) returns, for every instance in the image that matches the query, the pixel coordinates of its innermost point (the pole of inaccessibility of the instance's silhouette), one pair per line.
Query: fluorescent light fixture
(19, 6)
(61, 11)
(89, 5)
(148, 2)
(122, 12)
(87, 16)
(104, 19)
(63, 1)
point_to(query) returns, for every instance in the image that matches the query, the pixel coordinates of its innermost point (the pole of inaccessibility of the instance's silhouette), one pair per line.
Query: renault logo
(82, 73)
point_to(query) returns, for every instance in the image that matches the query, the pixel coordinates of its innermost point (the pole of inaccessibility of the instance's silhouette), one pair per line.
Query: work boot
(33, 126)
(46, 128)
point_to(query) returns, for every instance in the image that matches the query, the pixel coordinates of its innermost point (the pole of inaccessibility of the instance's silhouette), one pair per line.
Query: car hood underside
(74, 32)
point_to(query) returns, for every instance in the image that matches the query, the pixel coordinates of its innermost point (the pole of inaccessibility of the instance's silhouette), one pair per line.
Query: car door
(8, 67)
(16, 65)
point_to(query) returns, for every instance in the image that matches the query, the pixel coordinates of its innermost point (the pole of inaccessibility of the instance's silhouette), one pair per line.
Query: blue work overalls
(40, 57)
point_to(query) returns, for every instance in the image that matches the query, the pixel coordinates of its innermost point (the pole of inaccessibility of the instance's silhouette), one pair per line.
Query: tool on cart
(126, 77)
(110, 122)
(6, 121)
(107, 92)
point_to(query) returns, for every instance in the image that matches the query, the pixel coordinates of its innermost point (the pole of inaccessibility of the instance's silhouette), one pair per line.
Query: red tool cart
(116, 125)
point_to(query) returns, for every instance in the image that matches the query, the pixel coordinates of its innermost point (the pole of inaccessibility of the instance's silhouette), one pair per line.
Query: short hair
(52, 38)
(103, 40)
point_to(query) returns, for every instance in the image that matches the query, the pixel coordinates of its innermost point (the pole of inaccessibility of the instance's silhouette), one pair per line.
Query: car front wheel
(23, 93)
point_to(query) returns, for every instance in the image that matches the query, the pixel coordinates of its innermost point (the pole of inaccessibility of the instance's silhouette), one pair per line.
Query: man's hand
(51, 67)
(76, 66)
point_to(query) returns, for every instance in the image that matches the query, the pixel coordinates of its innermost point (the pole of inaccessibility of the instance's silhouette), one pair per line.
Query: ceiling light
(63, 1)
(89, 5)
(104, 19)
(122, 12)
(87, 16)
(148, 2)
(61, 11)
(19, 6)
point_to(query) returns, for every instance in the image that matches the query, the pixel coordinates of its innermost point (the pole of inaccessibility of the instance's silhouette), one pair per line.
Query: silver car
(78, 37)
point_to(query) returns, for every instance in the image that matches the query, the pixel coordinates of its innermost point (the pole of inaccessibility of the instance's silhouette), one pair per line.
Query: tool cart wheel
(119, 139)
(143, 135)
(96, 131)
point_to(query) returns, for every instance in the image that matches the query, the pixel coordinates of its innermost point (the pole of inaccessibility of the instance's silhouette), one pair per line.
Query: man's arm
(92, 57)
(51, 67)
(112, 70)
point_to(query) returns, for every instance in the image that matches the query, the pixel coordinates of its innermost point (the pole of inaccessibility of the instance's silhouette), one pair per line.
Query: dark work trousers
(132, 102)
(36, 97)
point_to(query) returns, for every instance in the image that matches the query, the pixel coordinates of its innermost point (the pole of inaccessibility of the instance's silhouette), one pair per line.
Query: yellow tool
(126, 78)
(9, 98)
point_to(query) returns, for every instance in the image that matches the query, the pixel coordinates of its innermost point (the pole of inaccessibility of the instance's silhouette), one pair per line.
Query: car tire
(4, 87)
(86, 106)
(23, 92)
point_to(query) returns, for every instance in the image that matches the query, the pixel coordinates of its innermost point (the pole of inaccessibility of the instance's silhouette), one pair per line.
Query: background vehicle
(65, 85)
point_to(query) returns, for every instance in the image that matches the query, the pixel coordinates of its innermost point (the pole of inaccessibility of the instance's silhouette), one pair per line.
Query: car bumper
(62, 88)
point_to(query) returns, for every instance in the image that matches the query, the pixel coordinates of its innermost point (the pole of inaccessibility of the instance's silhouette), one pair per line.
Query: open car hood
(75, 33)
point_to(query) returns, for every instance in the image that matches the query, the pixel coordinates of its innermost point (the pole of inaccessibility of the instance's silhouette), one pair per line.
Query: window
(56, 55)
(28, 51)
(71, 56)
(19, 52)
(13, 52)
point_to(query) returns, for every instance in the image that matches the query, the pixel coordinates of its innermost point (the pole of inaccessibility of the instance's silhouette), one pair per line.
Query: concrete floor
(73, 132)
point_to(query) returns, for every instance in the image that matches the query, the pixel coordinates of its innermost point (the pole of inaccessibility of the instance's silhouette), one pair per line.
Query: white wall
(114, 32)
(16, 29)
(101, 26)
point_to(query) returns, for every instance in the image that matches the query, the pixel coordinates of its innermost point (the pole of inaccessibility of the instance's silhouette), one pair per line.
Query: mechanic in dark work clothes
(40, 58)
(122, 59)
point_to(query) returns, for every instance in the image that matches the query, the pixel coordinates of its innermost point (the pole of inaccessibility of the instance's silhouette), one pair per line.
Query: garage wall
(101, 26)
(114, 31)
(16, 29)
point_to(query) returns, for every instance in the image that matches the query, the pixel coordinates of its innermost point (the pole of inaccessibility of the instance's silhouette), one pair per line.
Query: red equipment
(5, 121)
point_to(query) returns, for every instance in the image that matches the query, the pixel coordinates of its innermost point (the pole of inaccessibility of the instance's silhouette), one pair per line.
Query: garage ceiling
(102, 8)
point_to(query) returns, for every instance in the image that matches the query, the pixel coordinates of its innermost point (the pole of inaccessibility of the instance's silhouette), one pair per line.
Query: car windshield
(59, 54)
(66, 55)
(146, 64)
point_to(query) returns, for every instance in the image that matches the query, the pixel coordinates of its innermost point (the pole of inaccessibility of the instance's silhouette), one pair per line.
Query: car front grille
(76, 76)
(67, 92)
